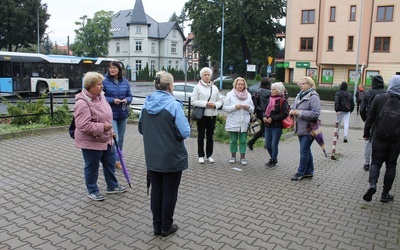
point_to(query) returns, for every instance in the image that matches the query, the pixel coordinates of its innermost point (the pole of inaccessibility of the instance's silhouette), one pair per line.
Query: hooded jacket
(164, 127)
(91, 112)
(378, 103)
(377, 88)
(339, 97)
(120, 90)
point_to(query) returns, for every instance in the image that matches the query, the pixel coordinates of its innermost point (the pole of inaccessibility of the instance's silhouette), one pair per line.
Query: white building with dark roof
(139, 40)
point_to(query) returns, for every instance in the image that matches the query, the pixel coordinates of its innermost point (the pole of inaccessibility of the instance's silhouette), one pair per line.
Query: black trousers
(164, 194)
(260, 133)
(206, 127)
(388, 153)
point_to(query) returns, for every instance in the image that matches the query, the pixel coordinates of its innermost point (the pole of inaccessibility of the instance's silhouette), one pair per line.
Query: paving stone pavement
(43, 203)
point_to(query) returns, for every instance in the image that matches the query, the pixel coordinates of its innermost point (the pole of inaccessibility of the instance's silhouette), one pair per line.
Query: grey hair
(279, 86)
(162, 80)
(91, 79)
(204, 70)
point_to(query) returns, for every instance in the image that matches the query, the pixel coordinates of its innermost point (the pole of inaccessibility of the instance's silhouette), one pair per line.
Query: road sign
(269, 69)
(270, 58)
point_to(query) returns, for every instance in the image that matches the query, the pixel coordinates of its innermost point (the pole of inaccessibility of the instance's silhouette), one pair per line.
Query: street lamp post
(222, 42)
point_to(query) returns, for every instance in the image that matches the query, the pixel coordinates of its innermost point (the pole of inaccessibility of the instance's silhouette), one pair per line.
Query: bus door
(6, 85)
(16, 76)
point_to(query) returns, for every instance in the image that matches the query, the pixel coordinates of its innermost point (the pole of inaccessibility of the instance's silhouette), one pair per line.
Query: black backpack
(255, 98)
(387, 126)
(345, 102)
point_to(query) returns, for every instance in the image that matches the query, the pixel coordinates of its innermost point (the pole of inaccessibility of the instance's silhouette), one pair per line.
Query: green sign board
(280, 65)
(302, 65)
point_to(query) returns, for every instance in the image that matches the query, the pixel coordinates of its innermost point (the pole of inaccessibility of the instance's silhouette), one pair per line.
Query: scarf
(304, 93)
(242, 95)
(271, 105)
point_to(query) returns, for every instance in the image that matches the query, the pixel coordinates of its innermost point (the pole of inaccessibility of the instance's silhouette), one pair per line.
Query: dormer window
(138, 29)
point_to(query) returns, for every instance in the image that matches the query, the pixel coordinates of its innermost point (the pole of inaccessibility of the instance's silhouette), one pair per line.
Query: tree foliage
(18, 26)
(93, 36)
(249, 32)
(179, 19)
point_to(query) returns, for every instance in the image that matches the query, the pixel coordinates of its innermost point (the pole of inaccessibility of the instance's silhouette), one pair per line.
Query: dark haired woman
(118, 94)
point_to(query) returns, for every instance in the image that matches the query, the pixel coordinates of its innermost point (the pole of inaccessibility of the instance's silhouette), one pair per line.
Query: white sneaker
(243, 161)
(201, 160)
(232, 160)
(210, 160)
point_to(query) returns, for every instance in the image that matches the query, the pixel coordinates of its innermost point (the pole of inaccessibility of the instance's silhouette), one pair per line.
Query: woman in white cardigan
(206, 95)
(239, 106)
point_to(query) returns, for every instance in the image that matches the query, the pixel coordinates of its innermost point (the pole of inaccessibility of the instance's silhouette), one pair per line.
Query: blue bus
(38, 73)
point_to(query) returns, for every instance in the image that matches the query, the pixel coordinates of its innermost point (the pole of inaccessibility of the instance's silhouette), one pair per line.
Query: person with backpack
(344, 105)
(383, 125)
(377, 88)
(359, 96)
(260, 100)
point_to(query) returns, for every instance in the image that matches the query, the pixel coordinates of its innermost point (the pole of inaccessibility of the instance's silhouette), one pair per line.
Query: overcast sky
(64, 14)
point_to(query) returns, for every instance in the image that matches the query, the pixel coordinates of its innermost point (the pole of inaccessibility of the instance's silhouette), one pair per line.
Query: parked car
(180, 89)
(224, 78)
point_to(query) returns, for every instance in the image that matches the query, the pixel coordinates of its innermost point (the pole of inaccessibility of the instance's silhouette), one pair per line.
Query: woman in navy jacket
(118, 94)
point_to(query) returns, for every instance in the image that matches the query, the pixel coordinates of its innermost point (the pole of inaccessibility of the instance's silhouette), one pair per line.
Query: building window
(152, 65)
(153, 47)
(174, 33)
(350, 42)
(385, 13)
(330, 43)
(138, 29)
(176, 65)
(138, 46)
(306, 44)
(307, 16)
(332, 16)
(382, 44)
(118, 47)
(138, 65)
(173, 47)
(352, 13)
(169, 64)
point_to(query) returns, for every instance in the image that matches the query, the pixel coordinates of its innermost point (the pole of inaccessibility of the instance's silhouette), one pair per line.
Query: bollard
(335, 134)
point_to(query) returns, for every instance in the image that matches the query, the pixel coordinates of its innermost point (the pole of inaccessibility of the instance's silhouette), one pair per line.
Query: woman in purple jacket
(118, 94)
(94, 135)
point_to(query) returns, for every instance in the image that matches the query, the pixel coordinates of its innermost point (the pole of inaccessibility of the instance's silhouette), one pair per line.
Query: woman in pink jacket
(94, 135)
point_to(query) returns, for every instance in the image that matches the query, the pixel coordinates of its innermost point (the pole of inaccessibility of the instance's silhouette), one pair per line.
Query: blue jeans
(92, 160)
(272, 138)
(119, 127)
(306, 158)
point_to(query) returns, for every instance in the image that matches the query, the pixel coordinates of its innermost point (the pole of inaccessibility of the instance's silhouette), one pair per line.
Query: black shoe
(296, 177)
(308, 176)
(271, 164)
(172, 230)
(366, 167)
(157, 233)
(368, 195)
(386, 197)
(250, 146)
(345, 139)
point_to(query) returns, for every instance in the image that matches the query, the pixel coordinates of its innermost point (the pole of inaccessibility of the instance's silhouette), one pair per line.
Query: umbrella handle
(115, 141)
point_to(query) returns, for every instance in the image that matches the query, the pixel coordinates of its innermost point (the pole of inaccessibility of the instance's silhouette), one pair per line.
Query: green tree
(93, 36)
(47, 45)
(179, 19)
(18, 26)
(249, 32)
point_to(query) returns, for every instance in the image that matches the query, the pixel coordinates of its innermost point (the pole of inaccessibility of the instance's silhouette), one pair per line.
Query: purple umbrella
(121, 159)
(316, 132)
